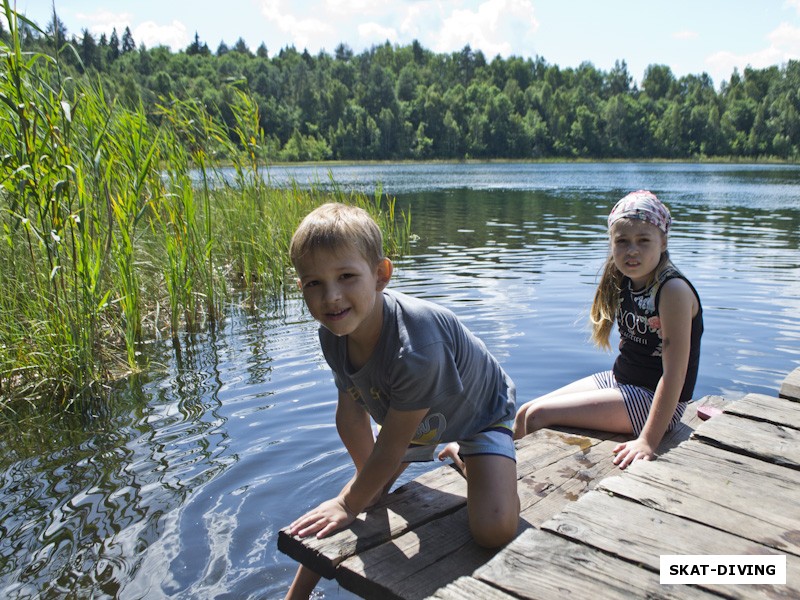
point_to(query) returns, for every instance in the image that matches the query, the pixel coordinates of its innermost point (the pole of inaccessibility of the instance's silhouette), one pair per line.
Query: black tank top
(640, 345)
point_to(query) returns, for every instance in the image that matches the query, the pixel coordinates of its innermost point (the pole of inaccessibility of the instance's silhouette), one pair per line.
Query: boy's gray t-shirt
(426, 358)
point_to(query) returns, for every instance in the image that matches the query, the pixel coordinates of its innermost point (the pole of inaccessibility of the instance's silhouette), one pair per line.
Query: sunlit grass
(115, 229)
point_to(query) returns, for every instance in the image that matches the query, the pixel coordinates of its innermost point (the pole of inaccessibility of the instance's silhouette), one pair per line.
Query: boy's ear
(384, 272)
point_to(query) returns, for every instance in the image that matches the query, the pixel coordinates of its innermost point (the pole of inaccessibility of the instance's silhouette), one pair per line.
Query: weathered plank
(555, 468)
(540, 565)
(637, 533)
(773, 443)
(546, 490)
(720, 489)
(546, 486)
(761, 407)
(416, 564)
(427, 497)
(790, 388)
(691, 420)
(467, 587)
(550, 446)
(441, 550)
(417, 539)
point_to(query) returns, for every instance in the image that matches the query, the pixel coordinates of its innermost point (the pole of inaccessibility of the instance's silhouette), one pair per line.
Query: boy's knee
(493, 504)
(497, 531)
(498, 535)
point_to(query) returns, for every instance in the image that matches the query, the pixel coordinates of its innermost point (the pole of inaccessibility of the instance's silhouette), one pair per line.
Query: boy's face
(343, 291)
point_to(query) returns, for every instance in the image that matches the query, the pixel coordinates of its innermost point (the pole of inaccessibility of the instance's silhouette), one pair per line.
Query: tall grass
(115, 229)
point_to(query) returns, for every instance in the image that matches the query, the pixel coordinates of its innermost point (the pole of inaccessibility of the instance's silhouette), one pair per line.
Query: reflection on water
(179, 489)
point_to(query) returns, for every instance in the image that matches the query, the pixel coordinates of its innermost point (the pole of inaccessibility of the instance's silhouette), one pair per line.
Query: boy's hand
(329, 516)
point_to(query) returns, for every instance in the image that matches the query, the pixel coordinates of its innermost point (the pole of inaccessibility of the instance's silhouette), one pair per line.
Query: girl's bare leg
(579, 404)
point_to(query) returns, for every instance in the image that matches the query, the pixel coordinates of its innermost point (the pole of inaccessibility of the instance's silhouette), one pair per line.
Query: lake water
(180, 488)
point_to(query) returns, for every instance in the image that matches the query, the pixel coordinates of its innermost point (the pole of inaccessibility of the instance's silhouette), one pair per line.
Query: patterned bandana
(641, 205)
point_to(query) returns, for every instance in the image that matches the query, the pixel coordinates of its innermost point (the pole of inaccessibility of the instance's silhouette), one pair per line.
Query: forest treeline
(396, 102)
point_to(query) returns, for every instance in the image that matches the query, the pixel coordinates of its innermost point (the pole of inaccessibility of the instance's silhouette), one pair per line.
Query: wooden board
(634, 532)
(555, 468)
(790, 388)
(546, 490)
(546, 486)
(760, 407)
(691, 421)
(773, 443)
(417, 563)
(467, 587)
(549, 446)
(439, 551)
(544, 566)
(417, 541)
(720, 489)
(427, 497)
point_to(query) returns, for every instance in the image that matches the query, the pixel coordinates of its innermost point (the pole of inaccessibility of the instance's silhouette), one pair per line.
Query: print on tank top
(637, 320)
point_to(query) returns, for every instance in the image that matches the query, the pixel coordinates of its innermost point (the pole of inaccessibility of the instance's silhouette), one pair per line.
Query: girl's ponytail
(606, 302)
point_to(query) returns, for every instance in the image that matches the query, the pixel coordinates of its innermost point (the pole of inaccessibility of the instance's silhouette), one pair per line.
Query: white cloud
(793, 3)
(414, 15)
(376, 33)
(685, 35)
(497, 27)
(786, 38)
(151, 34)
(784, 46)
(354, 6)
(105, 21)
(303, 31)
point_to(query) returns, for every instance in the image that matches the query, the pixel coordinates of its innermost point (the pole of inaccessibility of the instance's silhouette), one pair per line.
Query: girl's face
(636, 247)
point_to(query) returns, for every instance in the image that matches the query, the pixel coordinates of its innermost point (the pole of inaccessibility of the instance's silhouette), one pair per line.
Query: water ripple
(180, 488)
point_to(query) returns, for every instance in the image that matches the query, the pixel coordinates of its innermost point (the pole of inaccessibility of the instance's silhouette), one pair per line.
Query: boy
(411, 366)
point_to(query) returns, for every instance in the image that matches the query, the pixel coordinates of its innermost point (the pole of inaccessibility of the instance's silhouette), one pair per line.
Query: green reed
(112, 217)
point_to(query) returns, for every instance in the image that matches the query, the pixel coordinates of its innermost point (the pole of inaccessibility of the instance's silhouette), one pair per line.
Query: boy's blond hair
(334, 226)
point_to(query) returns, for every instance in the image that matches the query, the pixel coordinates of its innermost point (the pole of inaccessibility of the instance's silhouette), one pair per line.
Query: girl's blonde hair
(606, 298)
(334, 226)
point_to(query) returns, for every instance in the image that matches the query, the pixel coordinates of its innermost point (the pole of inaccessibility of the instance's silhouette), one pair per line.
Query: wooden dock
(729, 485)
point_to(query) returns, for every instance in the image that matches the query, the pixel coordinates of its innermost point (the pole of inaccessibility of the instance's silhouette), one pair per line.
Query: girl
(660, 322)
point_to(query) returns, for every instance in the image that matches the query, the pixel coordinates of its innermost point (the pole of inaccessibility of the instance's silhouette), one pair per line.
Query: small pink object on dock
(706, 412)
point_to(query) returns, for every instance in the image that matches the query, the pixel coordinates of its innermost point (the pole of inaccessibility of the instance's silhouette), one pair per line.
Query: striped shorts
(638, 401)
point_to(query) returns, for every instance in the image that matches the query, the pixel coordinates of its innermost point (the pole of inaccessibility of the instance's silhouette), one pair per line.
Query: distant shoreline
(555, 160)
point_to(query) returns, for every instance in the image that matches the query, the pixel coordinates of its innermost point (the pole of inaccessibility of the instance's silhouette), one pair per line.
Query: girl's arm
(677, 307)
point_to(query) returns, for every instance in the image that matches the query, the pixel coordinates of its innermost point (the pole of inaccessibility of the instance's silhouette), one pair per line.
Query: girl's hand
(329, 516)
(628, 452)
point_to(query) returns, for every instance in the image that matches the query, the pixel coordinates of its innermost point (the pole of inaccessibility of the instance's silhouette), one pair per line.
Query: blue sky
(691, 37)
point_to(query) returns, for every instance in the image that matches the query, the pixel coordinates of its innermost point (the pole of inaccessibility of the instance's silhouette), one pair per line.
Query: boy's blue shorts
(496, 439)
